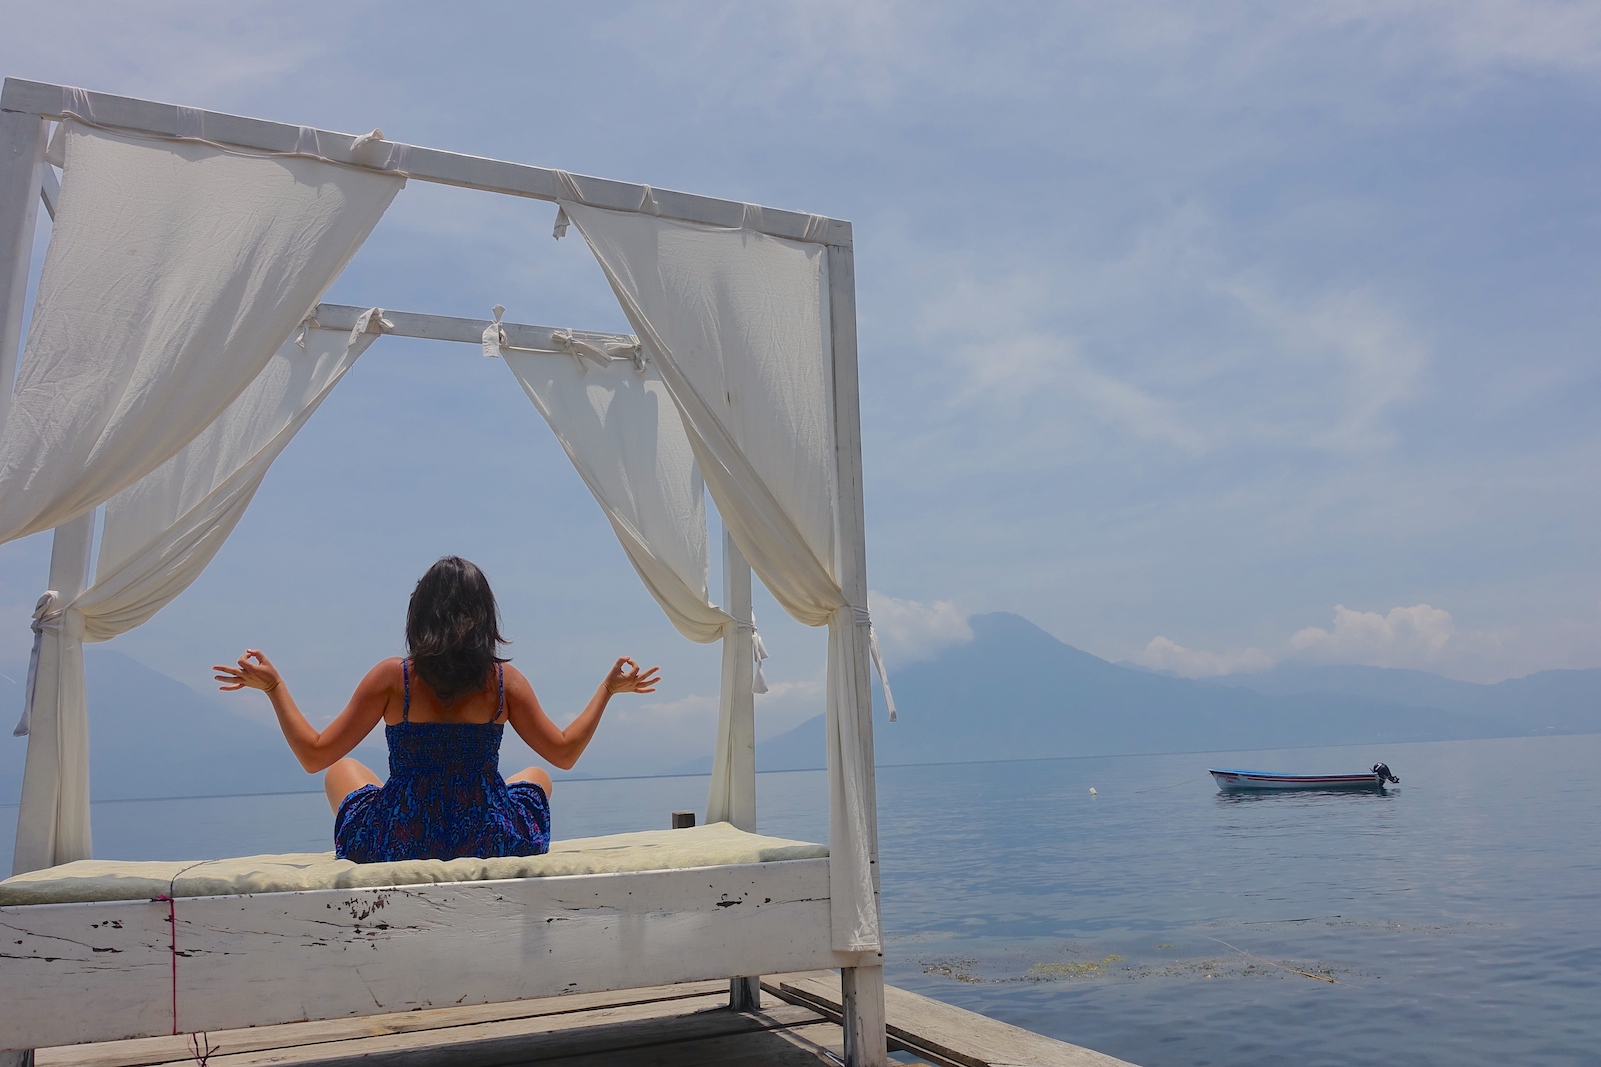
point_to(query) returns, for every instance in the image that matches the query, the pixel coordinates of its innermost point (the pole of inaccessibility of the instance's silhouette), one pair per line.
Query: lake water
(1161, 921)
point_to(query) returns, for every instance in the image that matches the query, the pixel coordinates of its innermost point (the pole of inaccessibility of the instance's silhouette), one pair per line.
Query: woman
(445, 707)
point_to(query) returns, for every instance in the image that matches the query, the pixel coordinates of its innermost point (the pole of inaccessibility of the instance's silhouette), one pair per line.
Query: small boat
(1243, 781)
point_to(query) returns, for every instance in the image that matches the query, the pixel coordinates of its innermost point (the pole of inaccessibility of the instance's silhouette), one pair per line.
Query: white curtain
(620, 428)
(160, 533)
(175, 270)
(738, 324)
(622, 432)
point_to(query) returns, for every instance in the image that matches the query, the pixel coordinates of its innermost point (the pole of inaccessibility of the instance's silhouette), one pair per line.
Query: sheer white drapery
(159, 534)
(622, 432)
(175, 270)
(738, 324)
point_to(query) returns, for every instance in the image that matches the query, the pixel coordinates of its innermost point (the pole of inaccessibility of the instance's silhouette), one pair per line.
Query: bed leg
(863, 994)
(745, 994)
(17, 1057)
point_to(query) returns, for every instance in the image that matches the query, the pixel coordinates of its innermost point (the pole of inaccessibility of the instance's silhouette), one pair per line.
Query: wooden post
(862, 985)
(46, 774)
(22, 144)
(733, 790)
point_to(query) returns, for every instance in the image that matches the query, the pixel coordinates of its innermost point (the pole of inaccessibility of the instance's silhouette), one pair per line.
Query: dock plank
(152, 1051)
(943, 1033)
(671, 1029)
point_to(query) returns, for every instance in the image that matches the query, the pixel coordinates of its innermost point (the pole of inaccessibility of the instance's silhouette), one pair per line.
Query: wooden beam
(46, 100)
(22, 143)
(96, 972)
(465, 331)
(49, 189)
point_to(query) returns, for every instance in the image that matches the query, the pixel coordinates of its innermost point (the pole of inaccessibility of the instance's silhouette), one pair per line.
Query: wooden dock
(797, 1025)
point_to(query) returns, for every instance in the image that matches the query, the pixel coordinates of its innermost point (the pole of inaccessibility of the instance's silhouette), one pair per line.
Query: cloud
(1166, 655)
(1405, 637)
(910, 630)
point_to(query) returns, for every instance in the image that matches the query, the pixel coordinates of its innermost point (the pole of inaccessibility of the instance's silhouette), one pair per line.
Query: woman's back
(445, 797)
(445, 708)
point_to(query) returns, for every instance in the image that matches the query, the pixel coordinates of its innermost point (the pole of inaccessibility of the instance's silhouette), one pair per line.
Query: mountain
(1015, 691)
(1562, 702)
(153, 736)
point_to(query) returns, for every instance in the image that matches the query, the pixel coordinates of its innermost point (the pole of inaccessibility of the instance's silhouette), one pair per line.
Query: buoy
(1093, 793)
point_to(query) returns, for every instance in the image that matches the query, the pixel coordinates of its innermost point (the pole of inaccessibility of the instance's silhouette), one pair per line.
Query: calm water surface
(1161, 921)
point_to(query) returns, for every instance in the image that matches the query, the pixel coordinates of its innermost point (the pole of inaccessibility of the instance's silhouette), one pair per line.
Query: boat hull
(1258, 781)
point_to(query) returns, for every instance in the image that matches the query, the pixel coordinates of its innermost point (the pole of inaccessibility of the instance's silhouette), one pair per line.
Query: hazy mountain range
(153, 736)
(1014, 692)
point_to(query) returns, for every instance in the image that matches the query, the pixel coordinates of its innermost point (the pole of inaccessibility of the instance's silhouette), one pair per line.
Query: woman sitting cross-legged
(445, 707)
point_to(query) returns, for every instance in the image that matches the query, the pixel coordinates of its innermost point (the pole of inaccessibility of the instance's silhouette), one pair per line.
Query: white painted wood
(95, 972)
(43, 839)
(426, 164)
(864, 1002)
(732, 793)
(22, 144)
(49, 189)
(465, 331)
(862, 1016)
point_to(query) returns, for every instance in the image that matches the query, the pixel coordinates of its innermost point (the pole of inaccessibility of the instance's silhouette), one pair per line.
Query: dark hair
(453, 628)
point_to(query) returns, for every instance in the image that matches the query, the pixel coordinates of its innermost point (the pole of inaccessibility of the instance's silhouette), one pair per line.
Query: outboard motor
(1381, 771)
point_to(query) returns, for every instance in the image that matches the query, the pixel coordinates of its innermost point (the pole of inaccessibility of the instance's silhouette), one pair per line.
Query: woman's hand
(260, 675)
(626, 677)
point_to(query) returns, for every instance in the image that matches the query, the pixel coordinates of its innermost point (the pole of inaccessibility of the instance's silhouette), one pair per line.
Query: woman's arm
(316, 750)
(563, 747)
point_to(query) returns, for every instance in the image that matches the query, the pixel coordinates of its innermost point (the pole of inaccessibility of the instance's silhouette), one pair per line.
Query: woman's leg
(536, 775)
(344, 778)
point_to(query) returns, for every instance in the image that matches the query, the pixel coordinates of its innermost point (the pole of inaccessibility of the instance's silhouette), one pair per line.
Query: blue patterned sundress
(445, 798)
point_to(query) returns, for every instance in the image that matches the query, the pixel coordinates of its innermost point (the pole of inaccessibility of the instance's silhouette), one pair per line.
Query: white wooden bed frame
(73, 973)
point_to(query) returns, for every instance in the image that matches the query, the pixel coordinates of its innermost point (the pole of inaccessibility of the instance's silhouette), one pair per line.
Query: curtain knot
(371, 321)
(47, 618)
(863, 617)
(582, 350)
(495, 335)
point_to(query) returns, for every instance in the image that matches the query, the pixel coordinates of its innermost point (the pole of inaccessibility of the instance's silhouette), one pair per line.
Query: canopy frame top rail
(520, 337)
(47, 100)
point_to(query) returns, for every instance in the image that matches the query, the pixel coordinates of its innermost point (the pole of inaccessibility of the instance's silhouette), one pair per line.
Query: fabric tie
(864, 618)
(494, 335)
(46, 616)
(600, 354)
(758, 682)
(371, 321)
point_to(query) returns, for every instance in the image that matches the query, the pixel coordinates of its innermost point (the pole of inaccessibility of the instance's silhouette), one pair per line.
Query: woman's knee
(345, 777)
(537, 775)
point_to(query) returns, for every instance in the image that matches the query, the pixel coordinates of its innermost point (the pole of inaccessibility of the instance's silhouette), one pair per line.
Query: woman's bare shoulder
(386, 673)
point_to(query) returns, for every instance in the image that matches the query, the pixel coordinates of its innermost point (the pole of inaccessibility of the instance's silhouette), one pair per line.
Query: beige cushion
(716, 845)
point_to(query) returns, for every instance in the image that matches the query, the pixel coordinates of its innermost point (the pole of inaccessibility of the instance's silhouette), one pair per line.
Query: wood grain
(96, 972)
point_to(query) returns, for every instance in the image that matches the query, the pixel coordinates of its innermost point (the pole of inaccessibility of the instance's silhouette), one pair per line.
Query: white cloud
(910, 630)
(1405, 637)
(1164, 654)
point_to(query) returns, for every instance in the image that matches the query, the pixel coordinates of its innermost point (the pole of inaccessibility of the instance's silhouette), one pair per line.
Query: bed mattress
(714, 845)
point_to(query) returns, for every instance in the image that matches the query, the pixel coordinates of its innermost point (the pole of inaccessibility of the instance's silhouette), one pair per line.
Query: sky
(1204, 336)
